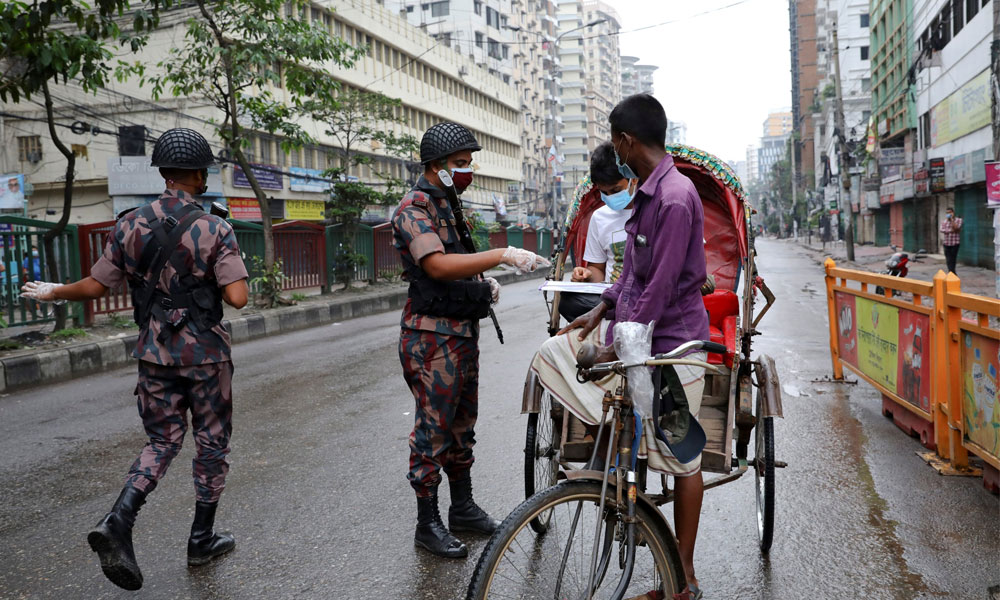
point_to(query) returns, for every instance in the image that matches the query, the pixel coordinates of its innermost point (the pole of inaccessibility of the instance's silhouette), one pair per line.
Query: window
(440, 9)
(505, 51)
(308, 162)
(296, 157)
(492, 18)
(478, 7)
(925, 130)
(409, 9)
(132, 140)
(265, 150)
(957, 16)
(866, 84)
(971, 8)
(864, 20)
(314, 15)
(494, 49)
(479, 39)
(864, 52)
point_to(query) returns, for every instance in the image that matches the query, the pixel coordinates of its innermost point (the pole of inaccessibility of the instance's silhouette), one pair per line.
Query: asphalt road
(320, 506)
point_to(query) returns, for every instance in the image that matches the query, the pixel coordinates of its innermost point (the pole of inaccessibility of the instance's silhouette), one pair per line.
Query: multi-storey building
(434, 83)
(677, 132)
(511, 39)
(778, 123)
(752, 168)
(953, 135)
(851, 21)
(591, 81)
(805, 86)
(636, 78)
(773, 148)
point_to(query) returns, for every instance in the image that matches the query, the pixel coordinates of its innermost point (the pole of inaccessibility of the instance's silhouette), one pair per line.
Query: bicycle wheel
(541, 464)
(764, 474)
(518, 563)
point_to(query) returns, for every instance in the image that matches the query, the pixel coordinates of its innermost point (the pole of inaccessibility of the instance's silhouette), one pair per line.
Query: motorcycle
(897, 265)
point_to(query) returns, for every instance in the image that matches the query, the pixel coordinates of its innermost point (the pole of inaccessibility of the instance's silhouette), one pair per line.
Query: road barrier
(19, 237)
(933, 353)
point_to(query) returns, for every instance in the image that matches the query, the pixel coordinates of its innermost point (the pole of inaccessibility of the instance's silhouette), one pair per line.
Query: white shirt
(606, 241)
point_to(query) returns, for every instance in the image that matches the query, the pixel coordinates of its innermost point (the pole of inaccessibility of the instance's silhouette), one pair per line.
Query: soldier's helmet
(445, 139)
(182, 148)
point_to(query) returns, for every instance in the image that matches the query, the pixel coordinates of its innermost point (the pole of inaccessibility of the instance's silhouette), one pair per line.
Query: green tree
(58, 41)
(235, 54)
(360, 119)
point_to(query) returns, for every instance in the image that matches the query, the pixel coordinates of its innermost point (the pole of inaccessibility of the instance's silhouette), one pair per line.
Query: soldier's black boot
(112, 540)
(431, 533)
(204, 544)
(465, 514)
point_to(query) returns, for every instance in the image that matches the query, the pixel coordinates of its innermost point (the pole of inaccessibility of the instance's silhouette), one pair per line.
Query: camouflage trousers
(165, 396)
(442, 371)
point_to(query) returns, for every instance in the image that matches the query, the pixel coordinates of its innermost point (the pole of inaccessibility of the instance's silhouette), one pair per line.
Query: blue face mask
(617, 201)
(625, 170)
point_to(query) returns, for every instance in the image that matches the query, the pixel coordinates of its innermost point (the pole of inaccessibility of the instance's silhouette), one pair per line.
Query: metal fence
(23, 258)
(299, 245)
(92, 239)
(385, 257)
(363, 244)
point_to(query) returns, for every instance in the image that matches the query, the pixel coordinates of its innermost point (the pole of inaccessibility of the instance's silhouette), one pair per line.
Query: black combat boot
(112, 540)
(431, 533)
(465, 514)
(204, 544)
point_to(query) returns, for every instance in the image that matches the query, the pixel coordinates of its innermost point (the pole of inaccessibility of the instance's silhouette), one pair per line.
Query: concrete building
(434, 82)
(740, 168)
(510, 39)
(636, 78)
(805, 86)
(851, 20)
(753, 167)
(773, 148)
(591, 82)
(952, 136)
(676, 132)
(778, 123)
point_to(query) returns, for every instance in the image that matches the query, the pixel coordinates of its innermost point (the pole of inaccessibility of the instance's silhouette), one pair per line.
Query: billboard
(304, 210)
(964, 111)
(12, 192)
(308, 180)
(980, 400)
(248, 209)
(993, 183)
(887, 344)
(268, 180)
(136, 176)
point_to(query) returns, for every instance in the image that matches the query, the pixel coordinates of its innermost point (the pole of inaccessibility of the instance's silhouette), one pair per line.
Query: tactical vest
(201, 297)
(462, 299)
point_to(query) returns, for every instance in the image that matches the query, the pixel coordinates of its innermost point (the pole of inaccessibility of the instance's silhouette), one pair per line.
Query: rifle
(462, 228)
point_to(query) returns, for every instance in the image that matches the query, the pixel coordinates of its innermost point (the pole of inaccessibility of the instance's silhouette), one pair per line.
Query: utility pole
(795, 182)
(845, 176)
(995, 80)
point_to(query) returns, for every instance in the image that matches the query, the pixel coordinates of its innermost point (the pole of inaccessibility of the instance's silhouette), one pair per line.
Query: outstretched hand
(587, 322)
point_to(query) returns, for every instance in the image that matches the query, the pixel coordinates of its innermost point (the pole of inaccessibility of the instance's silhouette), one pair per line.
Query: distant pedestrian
(951, 229)
(181, 265)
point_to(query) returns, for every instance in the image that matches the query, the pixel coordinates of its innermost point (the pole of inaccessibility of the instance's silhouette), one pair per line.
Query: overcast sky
(720, 73)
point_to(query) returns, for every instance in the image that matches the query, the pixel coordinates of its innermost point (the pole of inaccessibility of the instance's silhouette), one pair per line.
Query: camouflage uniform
(184, 369)
(440, 356)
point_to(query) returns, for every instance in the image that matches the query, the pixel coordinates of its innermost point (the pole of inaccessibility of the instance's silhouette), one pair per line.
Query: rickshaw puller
(662, 276)
(439, 337)
(181, 264)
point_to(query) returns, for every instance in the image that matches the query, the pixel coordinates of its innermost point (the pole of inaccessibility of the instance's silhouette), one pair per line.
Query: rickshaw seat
(723, 308)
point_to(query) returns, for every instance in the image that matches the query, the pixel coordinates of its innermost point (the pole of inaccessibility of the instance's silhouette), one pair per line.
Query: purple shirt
(661, 279)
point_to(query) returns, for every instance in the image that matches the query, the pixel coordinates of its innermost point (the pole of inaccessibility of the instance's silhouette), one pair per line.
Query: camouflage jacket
(209, 247)
(419, 228)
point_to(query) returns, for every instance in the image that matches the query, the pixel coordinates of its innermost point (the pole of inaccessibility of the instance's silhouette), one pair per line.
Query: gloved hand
(523, 260)
(42, 291)
(494, 290)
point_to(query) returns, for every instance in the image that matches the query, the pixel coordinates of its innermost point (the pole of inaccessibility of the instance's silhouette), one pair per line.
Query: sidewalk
(31, 367)
(975, 280)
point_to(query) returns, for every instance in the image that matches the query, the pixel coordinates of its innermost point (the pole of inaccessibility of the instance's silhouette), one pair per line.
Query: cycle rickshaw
(530, 555)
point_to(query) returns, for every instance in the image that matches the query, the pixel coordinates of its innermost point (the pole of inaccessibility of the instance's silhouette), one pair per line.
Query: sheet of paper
(580, 287)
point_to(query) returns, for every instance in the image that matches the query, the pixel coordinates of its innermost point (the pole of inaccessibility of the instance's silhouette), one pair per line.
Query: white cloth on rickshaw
(555, 366)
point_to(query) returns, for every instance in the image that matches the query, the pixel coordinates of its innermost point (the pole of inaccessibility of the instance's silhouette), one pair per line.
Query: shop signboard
(921, 182)
(308, 180)
(980, 400)
(136, 176)
(304, 210)
(958, 170)
(268, 179)
(248, 209)
(12, 192)
(936, 170)
(887, 344)
(964, 111)
(892, 156)
(993, 183)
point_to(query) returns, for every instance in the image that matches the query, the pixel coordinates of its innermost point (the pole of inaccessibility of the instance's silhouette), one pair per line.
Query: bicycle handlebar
(587, 356)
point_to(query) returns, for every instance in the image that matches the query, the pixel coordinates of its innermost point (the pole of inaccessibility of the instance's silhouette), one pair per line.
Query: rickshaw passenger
(663, 272)
(605, 235)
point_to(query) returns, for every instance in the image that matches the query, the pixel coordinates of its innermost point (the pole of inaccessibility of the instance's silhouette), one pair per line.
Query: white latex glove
(42, 291)
(523, 260)
(494, 290)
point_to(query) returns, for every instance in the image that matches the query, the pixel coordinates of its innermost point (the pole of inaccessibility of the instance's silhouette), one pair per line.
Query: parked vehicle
(897, 265)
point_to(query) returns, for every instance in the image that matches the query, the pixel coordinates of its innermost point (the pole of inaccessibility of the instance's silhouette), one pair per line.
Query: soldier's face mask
(204, 183)
(462, 178)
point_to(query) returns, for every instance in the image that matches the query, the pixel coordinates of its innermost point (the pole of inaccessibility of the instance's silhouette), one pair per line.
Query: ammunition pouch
(463, 299)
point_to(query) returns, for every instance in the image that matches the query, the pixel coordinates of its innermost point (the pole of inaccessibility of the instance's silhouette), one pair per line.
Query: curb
(79, 360)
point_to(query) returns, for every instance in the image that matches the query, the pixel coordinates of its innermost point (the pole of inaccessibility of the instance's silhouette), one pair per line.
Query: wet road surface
(318, 499)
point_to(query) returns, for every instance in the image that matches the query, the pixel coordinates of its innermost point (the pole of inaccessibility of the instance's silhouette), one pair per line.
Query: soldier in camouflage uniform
(439, 340)
(183, 349)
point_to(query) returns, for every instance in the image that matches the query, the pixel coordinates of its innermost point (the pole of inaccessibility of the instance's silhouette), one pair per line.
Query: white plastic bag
(633, 343)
